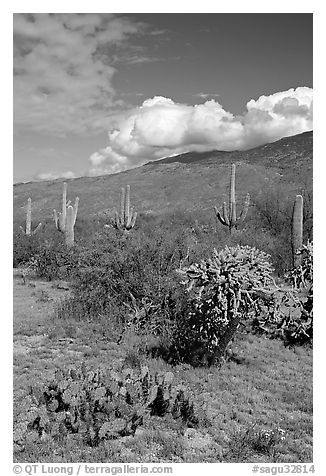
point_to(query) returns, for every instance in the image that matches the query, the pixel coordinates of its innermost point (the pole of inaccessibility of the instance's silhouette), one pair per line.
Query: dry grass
(266, 386)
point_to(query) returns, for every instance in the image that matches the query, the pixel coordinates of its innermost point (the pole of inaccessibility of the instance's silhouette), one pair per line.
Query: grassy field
(264, 388)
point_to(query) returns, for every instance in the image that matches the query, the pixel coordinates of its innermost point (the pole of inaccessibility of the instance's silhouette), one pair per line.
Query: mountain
(190, 181)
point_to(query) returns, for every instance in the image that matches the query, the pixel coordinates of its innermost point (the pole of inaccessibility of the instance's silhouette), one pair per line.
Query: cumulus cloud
(55, 175)
(63, 70)
(160, 127)
(107, 160)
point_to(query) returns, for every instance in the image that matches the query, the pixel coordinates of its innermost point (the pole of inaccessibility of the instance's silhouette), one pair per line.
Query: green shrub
(97, 406)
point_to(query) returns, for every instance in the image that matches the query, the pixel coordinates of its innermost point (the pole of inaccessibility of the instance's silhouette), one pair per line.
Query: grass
(263, 388)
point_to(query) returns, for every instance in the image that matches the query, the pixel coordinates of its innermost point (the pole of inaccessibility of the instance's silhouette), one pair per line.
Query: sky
(97, 94)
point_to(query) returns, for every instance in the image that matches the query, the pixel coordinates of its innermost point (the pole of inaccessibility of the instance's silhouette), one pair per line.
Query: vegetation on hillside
(178, 289)
(161, 188)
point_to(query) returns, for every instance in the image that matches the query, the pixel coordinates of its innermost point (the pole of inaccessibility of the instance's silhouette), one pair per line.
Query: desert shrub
(221, 292)
(274, 210)
(53, 260)
(272, 220)
(24, 248)
(98, 406)
(243, 443)
(120, 268)
(47, 239)
(290, 315)
(87, 228)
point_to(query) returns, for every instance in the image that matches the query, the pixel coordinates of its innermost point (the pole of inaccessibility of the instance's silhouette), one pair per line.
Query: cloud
(160, 127)
(136, 55)
(107, 161)
(207, 95)
(63, 70)
(55, 175)
(279, 115)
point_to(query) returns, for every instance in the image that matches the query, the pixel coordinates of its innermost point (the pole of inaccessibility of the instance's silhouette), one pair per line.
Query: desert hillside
(189, 181)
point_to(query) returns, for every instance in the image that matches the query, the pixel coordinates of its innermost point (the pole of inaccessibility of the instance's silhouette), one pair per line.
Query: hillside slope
(189, 181)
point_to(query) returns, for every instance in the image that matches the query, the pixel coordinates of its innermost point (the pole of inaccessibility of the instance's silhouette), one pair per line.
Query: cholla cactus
(222, 291)
(302, 276)
(65, 221)
(229, 218)
(127, 219)
(297, 231)
(28, 230)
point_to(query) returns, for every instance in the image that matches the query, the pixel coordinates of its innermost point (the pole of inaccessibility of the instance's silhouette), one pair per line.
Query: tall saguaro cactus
(297, 230)
(65, 220)
(127, 219)
(28, 230)
(229, 217)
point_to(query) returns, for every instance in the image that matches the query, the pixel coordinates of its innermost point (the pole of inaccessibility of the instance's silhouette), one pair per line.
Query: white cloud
(207, 95)
(107, 161)
(63, 70)
(160, 127)
(281, 114)
(55, 175)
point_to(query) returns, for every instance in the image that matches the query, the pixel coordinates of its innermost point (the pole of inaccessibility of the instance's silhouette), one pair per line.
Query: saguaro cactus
(127, 219)
(297, 230)
(229, 218)
(28, 230)
(65, 220)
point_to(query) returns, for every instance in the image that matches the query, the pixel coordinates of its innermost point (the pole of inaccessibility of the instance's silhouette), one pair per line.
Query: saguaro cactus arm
(223, 218)
(28, 230)
(245, 209)
(297, 230)
(75, 209)
(56, 219)
(60, 217)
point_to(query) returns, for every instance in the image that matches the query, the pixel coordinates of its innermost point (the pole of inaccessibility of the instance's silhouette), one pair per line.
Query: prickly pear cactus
(97, 406)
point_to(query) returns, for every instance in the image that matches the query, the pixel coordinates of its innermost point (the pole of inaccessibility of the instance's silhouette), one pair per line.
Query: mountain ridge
(195, 180)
